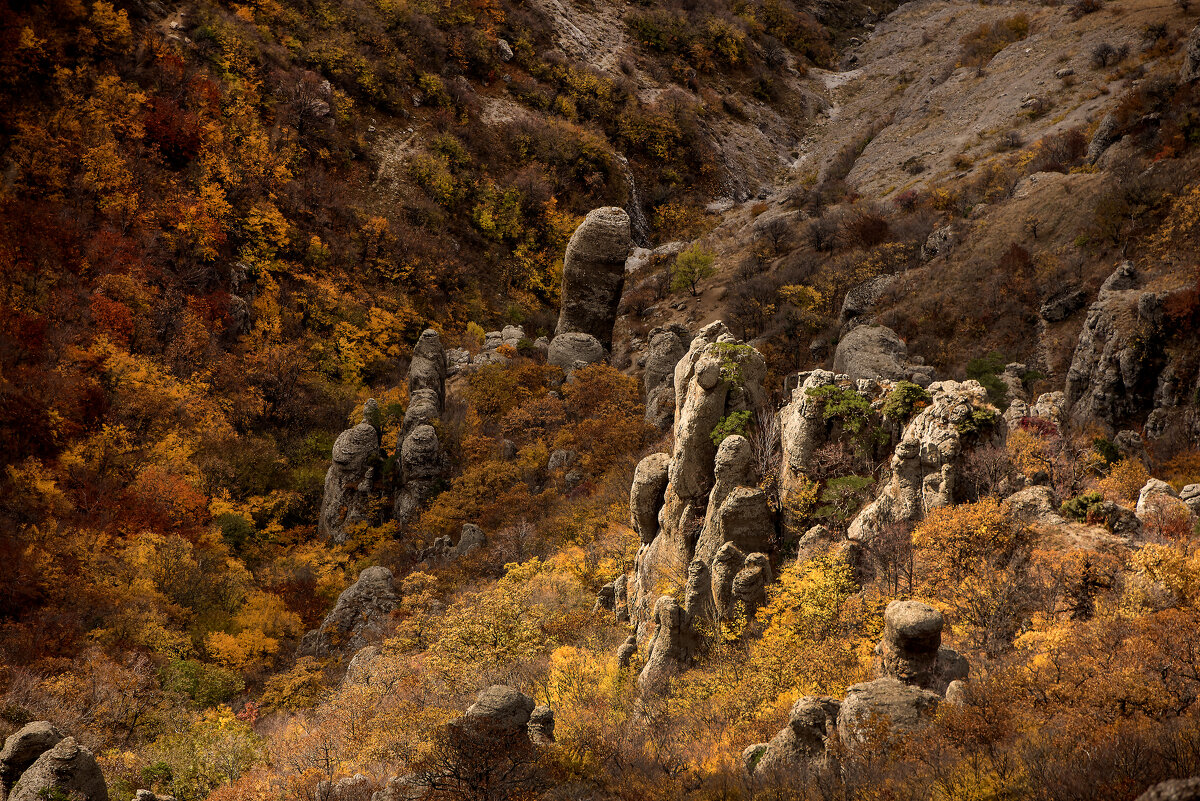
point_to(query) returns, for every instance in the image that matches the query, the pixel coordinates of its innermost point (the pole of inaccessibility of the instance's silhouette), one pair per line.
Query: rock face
(67, 770)
(1174, 789)
(875, 352)
(1113, 371)
(23, 748)
(349, 479)
(593, 274)
(1190, 70)
(926, 463)
(666, 347)
(914, 672)
(503, 707)
(718, 376)
(1155, 491)
(358, 616)
(861, 299)
(421, 461)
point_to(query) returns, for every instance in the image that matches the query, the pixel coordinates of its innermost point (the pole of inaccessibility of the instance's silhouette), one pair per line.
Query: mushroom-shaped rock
(359, 615)
(68, 770)
(23, 747)
(727, 563)
(903, 707)
(912, 635)
(646, 494)
(572, 349)
(594, 273)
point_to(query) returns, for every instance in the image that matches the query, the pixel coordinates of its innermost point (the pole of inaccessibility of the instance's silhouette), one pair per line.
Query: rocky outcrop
(1116, 362)
(1174, 789)
(1155, 491)
(646, 494)
(1062, 304)
(666, 347)
(349, 480)
(594, 273)
(421, 459)
(1107, 132)
(914, 672)
(146, 795)
(1049, 406)
(541, 725)
(668, 649)
(926, 462)
(503, 707)
(860, 300)
(22, 749)
(65, 770)
(1035, 506)
(875, 352)
(1190, 70)
(804, 739)
(359, 616)
(1190, 495)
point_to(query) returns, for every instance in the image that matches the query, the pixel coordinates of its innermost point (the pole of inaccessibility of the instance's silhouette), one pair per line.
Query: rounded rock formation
(594, 273)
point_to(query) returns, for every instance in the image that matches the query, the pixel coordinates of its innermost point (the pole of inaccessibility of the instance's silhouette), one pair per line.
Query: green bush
(986, 370)
(1079, 507)
(205, 685)
(905, 401)
(734, 423)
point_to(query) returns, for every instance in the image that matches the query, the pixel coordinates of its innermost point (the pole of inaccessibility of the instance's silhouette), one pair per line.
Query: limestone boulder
(502, 707)
(359, 616)
(23, 747)
(349, 480)
(572, 349)
(871, 351)
(803, 740)
(1113, 370)
(1155, 491)
(666, 348)
(927, 462)
(427, 369)
(67, 770)
(669, 649)
(646, 494)
(1174, 789)
(901, 707)
(594, 274)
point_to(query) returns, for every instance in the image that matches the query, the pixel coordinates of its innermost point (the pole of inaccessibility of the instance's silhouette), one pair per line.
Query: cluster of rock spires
(914, 674)
(709, 535)
(38, 762)
(357, 452)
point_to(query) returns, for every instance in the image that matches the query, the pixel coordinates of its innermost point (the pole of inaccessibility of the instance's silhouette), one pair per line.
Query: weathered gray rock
(744, 519)
(817, 540)
(911, 649)
(349, 480)
(904, 708)
(666, 348)
(503, 707)
(573, 349)
(470, 540)
(421, 455)
(1104, 137)
(1035, 506)
(1062, 305)
(627, 651)
(1110, 379)
(1190, 70)
(646, 494)
(938, 243)
(68, 770)
(1155, 491)
(359, 616)
(1174, 789)
(860, 300)
(427, 370)
(750, 584)
(23, 747)
(926, 462)
(871, 351)
(146, 795)
(668, 650)
(361, 669)
(541, 725)
(1190, 495)
(593, 274)
(424, 407)
(803, 740)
